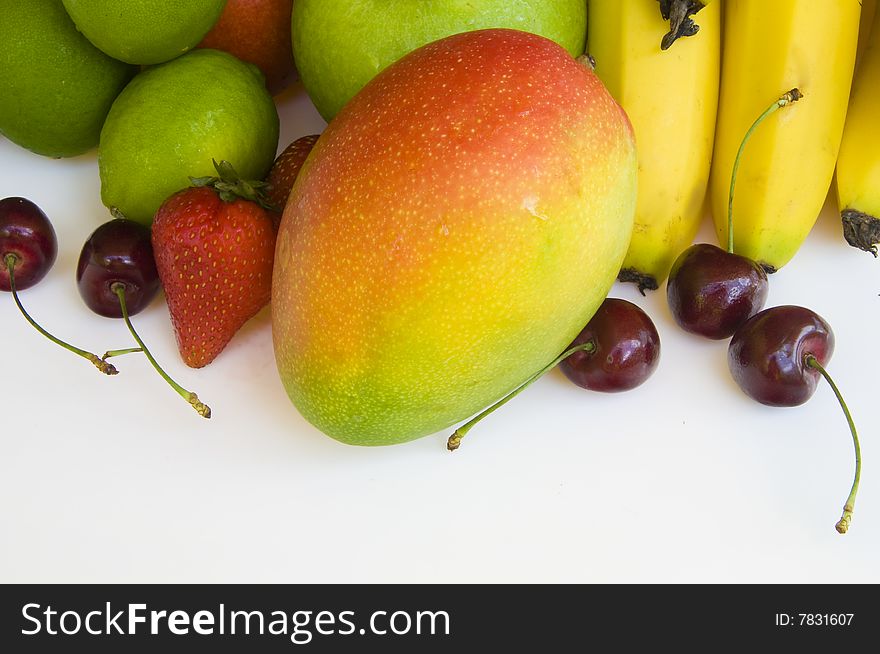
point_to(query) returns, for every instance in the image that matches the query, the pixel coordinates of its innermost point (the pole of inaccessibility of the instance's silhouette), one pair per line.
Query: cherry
(621, 332)
(625, 352)
(712, 292)
(767, 355)
(117, 277)
(118, 252)
(777, 357)
(28, 248)
(28, 239)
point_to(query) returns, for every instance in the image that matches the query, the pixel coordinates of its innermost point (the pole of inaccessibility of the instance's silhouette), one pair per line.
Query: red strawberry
(214, 253)
(285, 170)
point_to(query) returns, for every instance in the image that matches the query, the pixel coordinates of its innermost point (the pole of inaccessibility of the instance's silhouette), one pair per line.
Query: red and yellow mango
(454, 228)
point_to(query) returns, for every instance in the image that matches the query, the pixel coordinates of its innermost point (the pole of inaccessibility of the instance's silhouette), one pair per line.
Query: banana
(865, 22)
(670, 98)
(858, 164)
(786, 169)
(678, 13)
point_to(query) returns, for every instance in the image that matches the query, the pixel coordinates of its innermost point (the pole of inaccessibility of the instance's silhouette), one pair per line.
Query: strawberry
(214, 250)
(284, 171)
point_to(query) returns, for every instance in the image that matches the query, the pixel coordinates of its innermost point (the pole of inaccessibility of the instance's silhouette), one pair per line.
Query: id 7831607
(814, 619)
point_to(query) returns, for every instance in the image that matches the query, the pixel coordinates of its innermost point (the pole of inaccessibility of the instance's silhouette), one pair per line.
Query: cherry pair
(116, 274)
(776, 355)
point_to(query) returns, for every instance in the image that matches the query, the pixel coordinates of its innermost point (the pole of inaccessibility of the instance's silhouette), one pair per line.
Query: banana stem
(202, 409)
(846, 518)
(454, 441)
(678, 13)
(791, 96)
(861, 230)
(100, 364)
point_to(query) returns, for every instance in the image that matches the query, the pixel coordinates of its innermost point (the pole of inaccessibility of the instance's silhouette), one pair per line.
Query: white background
(682, 480)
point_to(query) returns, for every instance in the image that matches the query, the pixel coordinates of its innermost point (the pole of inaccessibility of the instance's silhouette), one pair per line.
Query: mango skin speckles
(454, 228)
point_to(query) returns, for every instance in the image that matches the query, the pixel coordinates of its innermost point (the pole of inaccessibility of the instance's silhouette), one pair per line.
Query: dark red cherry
(622, 350)
(27, 239)
(118, 252)
(712, 292)
(28, 248)
(777, 358)
(626, 349)
(117, 277)
(768, 355)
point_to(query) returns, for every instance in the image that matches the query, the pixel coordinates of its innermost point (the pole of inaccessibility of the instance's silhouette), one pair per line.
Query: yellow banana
(678, 13)
(671, 98)
(858, 164)
(869, 7)
(786, 170)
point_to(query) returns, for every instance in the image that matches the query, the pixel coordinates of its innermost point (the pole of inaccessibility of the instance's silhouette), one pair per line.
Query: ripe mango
(454, 228)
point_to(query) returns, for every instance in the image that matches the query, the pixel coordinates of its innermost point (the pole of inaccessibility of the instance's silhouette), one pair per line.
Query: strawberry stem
(454, 441)
(202, 409)
(108, 369)
(231, 187)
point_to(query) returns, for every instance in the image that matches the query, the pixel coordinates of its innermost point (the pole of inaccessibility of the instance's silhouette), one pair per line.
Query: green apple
(339, 46)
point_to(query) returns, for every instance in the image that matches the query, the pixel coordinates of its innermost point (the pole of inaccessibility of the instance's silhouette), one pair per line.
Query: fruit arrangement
(482, 183)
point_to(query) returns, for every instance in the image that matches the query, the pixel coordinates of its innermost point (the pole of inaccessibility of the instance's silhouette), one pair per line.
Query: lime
(340, 45)
(173, 119)
(144, 31)
(56, 87)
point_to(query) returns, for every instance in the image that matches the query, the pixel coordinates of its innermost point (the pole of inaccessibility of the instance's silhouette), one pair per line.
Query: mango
(454, 228)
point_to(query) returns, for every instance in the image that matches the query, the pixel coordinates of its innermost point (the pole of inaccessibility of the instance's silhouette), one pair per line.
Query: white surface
(684, 479)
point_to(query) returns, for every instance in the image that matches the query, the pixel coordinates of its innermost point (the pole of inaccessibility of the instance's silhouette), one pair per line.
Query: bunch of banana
(678, 13)
(858, 164)
(787, 168)
(671, 99)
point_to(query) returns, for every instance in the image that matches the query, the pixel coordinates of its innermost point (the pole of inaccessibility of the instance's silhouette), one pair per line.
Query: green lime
(55, 86)
(172, 120)
(144, 31)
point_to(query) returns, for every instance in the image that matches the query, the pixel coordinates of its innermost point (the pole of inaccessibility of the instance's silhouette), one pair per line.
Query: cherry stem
(107, 368)
(118, 353)
(845, 519)
(791, 96)
(202, 409)
(454, 441)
